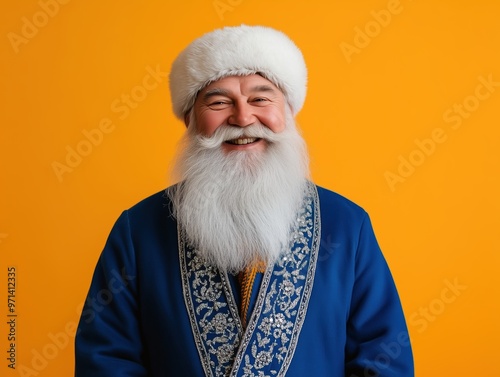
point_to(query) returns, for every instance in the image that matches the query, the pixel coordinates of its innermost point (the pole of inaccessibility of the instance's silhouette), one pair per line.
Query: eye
(259, 100)
(219, 105)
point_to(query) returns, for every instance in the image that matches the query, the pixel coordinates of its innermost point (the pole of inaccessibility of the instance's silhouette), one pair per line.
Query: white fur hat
(238, 51)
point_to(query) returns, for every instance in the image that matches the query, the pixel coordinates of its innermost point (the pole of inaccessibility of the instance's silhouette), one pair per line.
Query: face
(240, 101)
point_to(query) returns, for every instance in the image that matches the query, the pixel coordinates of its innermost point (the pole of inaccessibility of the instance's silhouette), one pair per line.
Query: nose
(242, 115)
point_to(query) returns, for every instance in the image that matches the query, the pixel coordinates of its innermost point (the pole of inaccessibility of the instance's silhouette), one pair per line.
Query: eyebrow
(223, 92)
(215, 92)
(262, 88)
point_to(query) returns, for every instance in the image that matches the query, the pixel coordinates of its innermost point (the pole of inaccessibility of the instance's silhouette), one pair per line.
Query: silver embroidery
(213, 314)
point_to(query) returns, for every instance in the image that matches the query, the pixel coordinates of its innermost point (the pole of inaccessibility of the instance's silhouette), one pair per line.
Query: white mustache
(226, 132)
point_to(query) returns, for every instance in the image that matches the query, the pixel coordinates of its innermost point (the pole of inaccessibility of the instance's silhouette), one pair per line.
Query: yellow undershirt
(246, 279)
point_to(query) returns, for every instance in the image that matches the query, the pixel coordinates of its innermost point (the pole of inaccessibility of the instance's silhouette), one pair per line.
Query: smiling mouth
(243, 141)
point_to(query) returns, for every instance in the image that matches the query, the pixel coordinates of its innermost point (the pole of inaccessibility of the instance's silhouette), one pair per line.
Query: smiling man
(244, 267)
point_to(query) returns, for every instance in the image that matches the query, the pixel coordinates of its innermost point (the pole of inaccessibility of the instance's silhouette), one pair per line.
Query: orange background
(384, 77)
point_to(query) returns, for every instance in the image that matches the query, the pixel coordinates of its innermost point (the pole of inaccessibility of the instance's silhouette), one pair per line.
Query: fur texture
(238, 51)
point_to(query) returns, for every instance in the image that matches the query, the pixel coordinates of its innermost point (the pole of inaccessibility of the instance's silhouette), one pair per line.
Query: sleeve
(378, 343)
(108, 340)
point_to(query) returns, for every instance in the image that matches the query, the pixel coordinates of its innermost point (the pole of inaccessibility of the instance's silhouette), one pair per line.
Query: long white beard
(239, 207)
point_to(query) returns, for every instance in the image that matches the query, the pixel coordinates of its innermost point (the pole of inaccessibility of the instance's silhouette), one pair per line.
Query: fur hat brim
(238, 51)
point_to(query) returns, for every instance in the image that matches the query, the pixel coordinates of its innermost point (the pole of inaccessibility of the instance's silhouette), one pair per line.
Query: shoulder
(334, 204)
(147, 226)
(341, 218)
(151, 212)
(156, 202)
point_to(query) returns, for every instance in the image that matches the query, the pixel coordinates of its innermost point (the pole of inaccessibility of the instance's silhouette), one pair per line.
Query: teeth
(244, 141)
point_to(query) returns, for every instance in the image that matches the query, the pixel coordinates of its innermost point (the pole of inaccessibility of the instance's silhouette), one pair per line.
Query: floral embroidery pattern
(267, 347)
(213, 315)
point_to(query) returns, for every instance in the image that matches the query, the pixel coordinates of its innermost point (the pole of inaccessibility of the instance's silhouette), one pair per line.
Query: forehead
(238, 84)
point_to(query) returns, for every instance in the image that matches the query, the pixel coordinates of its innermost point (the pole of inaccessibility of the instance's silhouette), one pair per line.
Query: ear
(187, 118)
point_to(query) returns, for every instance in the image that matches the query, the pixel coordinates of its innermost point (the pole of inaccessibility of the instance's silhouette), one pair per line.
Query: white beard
(239, 207)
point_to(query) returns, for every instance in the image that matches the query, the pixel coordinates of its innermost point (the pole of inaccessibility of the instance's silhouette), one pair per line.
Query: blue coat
(329, 308)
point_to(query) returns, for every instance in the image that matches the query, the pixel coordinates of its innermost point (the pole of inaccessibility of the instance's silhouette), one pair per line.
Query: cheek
(274, 120)
(207, 123)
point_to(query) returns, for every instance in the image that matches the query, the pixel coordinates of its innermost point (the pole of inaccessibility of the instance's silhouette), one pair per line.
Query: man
(244, 267)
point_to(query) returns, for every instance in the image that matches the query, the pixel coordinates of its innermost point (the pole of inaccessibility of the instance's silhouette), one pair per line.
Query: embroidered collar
(267, 345)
